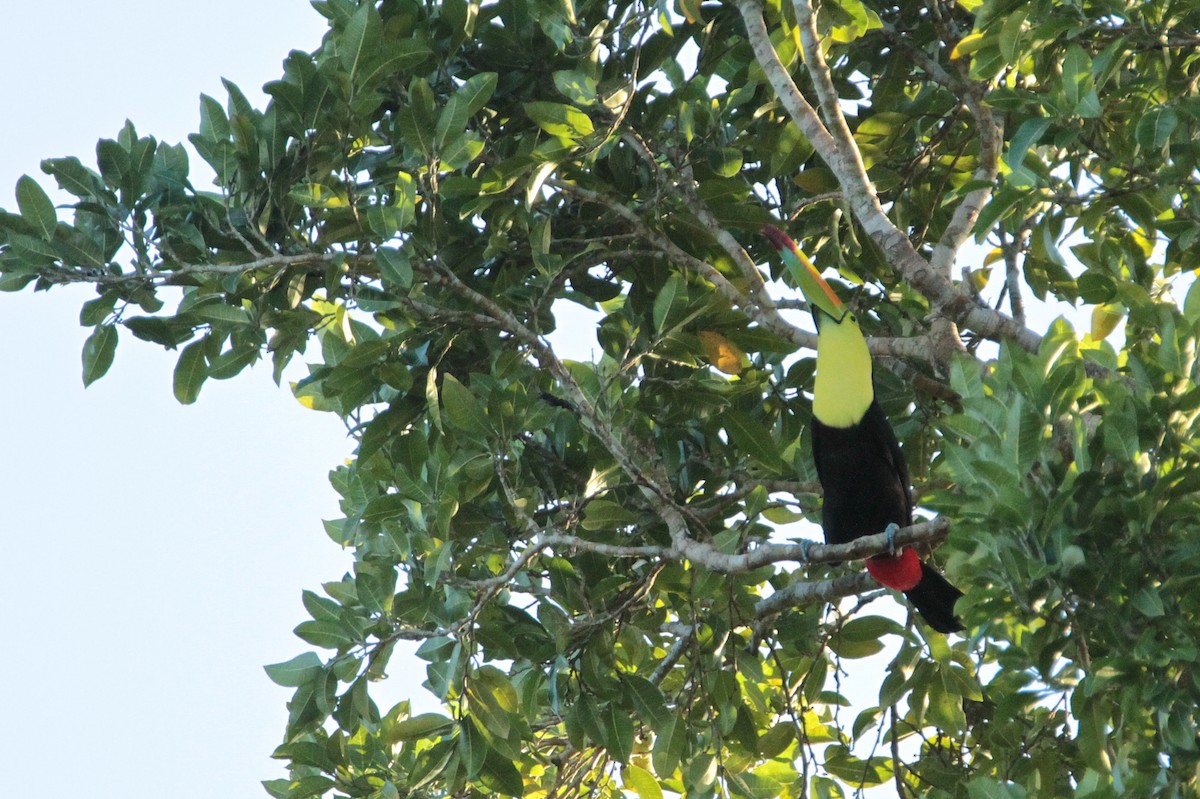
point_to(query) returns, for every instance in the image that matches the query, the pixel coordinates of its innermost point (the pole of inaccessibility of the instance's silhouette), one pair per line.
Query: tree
(597, 558)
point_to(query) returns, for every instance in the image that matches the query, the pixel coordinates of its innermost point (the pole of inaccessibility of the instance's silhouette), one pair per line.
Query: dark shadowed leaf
(98, 353)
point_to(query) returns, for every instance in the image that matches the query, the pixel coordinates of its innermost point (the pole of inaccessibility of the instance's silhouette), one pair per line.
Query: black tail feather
(934, 599)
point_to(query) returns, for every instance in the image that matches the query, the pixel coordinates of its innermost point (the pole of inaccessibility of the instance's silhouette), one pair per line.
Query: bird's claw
(890, 533)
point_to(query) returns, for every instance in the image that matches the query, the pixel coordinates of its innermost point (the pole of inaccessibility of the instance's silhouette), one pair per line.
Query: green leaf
(397, 57)
(1012, 35)
(671, 300)
(501, 776)
(868, 773)
(214, 124)
(375, 584)
(492, 699)
(190, 372)
(472, 747)
(669, 747)
(461, 151)
(231, 363)
(1076, 74)
(277, 788)
(426, 725)
(726, 161)
(394, 267)
(618, 732)
(220, 313)
(1029, 134)
(751, 786)
(642, 782)
(753, 438)
(461, 410)
(36, 207)
(406, 200)
(383, 508)
(563, 121)
(306, 787)
(958, 681)
(576, 85)
(650, 703)
(1153, 130)
(432, 405)
(860, 637)
(77, 248)
(432, 763)
(466, 101)
(96, 310)
(98, 352)
(603, 514)
(776, 740)
(1149, 603)
(166, 332)
(72, 176)
(326, 634)
(295, 672)
(360, 39)
(984, 787)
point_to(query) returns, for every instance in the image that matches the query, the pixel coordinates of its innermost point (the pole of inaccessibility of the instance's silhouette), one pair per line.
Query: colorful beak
(818, 293)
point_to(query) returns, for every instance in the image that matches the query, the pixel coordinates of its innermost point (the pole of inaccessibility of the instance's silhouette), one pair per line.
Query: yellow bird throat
(843, 389)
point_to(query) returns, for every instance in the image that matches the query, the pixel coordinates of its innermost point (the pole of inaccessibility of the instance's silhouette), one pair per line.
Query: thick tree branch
(991, 141)
(860, 194)
(987, 126)
(70, 274)
(798, 594)
(705, 555)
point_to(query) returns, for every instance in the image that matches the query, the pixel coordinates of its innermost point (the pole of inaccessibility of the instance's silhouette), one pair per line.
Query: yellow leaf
(691, 10)
(722, 353)
(1105, 319)
(967, 45)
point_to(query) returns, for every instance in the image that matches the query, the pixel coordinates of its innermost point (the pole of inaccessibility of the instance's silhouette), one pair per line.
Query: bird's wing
(877, 422)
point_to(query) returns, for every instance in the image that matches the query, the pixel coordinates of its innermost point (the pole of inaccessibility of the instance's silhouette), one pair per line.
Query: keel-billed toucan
(863, 475)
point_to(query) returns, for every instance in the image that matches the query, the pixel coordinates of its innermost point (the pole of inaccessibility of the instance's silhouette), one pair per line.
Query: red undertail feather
(900, 572)
(928, 591)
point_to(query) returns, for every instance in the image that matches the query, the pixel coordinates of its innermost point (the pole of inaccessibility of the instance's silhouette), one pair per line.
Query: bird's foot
(890, 532)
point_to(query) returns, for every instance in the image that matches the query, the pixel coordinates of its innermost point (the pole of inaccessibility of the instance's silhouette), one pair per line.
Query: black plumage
(866, 486)
(868, 476)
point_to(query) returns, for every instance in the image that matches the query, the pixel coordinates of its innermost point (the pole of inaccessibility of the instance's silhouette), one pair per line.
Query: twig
(673, 655)
(1010, 248)
(897, 766)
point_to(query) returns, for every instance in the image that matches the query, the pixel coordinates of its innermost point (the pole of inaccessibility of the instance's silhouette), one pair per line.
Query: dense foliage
(595, 556)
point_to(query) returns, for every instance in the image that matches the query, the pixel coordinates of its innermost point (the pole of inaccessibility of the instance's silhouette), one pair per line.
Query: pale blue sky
(151, 555)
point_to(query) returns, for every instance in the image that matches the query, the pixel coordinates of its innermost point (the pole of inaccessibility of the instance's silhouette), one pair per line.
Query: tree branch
(703, 554)
(798, 594)
(860, 194)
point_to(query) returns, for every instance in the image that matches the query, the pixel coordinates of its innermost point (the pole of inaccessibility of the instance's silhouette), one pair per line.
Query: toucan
(864, 477)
